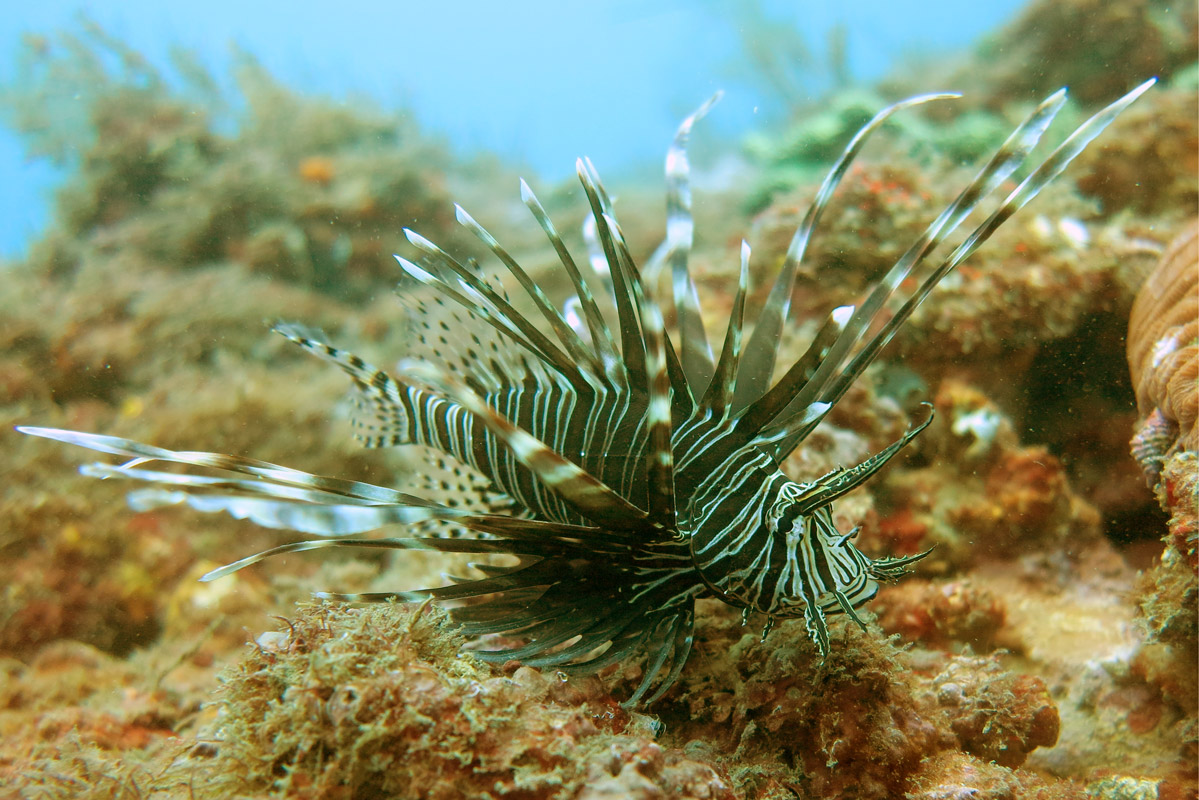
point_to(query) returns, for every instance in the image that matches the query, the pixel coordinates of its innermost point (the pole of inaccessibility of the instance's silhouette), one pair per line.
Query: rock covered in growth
(380, 702)
(996, 716)
(1179, 495)
(1092, 46)
(958, 776)
(978, 484)
(863, 723)
(781, 719)
(942, 614)
(1170, 605)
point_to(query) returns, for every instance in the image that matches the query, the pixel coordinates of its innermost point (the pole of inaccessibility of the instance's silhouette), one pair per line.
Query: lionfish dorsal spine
(632, 345)
(696, 352)
(480, 296)
(719, 396)
(1009, 157)
(827, 382)
(762, 350)
(681, 395)
(777, 399)
(611, 367)
(659, 413)
(576, 348)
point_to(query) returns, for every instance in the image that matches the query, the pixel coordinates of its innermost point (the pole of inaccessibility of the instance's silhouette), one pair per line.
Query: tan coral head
(1163, 355)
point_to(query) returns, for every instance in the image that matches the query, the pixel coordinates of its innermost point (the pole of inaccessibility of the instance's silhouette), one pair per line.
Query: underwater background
(168, 197)
(537, 83)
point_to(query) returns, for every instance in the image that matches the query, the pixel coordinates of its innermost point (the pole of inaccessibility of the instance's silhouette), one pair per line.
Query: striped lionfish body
(640, 476)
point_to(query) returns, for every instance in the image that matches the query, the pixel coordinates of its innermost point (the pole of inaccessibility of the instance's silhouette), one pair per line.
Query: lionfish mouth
(620, 458)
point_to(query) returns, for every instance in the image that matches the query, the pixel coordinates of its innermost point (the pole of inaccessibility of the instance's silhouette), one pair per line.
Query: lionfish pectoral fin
(277, 481)
(390, 543)
(393, 423)
(662, 645)
(319, 518)
(282, 498)
(684, 637)
(583, 492)
(517, 579)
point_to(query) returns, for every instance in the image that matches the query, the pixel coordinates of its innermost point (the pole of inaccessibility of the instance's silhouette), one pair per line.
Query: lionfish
(639, 477)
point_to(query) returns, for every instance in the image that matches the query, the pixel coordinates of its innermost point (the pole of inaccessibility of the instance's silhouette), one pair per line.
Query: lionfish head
(779, 552)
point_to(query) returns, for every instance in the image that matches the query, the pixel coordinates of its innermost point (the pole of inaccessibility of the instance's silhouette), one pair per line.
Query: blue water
(538, 83)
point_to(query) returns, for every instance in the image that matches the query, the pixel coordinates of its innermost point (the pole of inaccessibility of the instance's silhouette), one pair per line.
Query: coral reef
(1033, 656)
(942, 614)
(304, 189)
(997, 717)
(1163, 356)
(864, 723)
